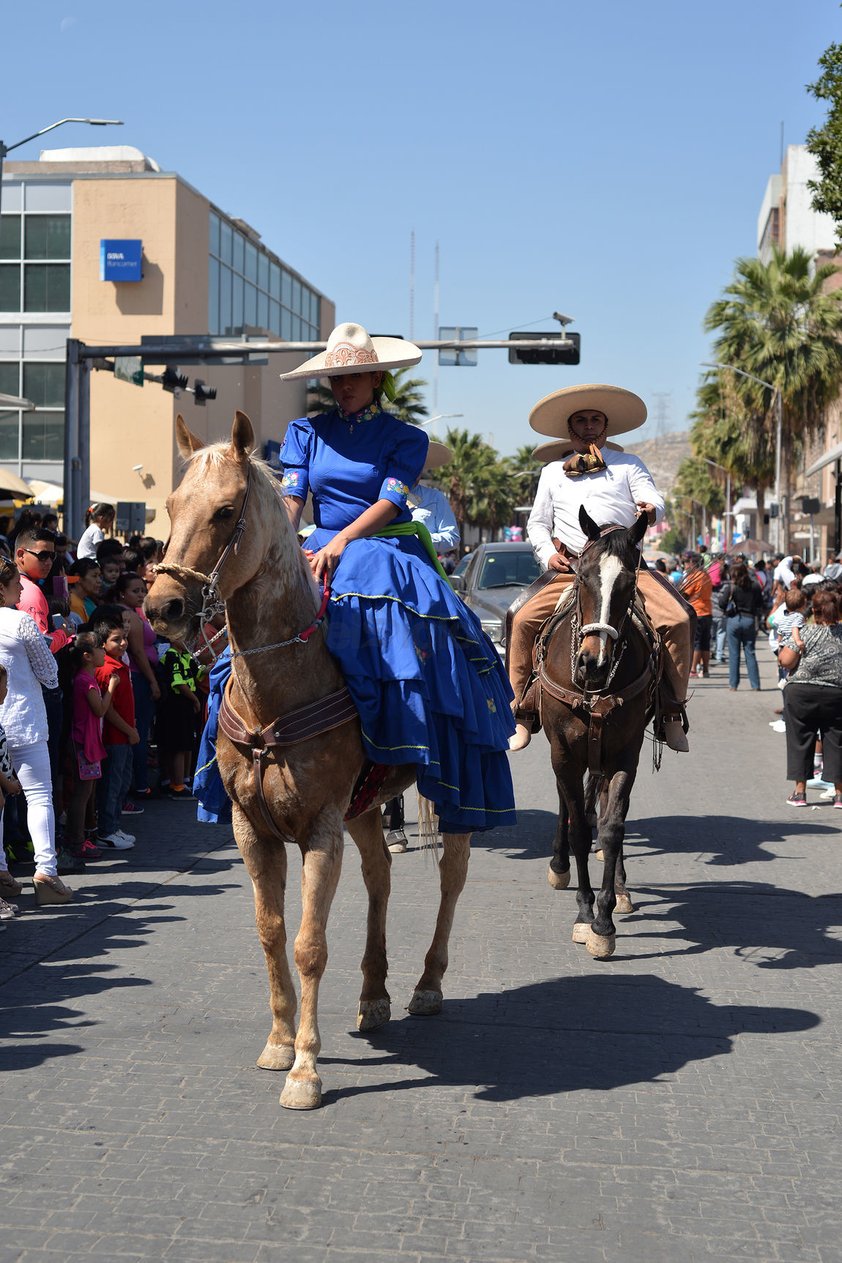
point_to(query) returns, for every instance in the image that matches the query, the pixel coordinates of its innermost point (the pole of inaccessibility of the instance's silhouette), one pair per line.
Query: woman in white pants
(26, 656)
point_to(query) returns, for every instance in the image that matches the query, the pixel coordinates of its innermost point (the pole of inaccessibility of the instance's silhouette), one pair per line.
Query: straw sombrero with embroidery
(438, 454)
(351, 350)
(558, 449)
(625, 410)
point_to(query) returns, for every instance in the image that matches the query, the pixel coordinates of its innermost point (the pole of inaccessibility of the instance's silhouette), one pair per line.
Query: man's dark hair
(109, 550)
(35, 535)
(131, 557)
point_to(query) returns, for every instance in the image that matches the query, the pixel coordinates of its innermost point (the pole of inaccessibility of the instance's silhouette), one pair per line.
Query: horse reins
(300, 724)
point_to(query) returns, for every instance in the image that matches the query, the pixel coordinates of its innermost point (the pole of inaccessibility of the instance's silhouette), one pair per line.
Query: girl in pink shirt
(89, 706)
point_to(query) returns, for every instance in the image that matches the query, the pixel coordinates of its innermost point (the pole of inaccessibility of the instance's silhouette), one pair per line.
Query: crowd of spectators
(91, 701)
(797, 608)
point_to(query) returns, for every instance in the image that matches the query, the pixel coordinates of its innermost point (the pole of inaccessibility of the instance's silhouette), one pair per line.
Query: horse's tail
(428, 826)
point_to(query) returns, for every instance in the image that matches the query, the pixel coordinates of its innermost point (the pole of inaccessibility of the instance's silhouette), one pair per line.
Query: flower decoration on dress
(292, 479)
(397, 487)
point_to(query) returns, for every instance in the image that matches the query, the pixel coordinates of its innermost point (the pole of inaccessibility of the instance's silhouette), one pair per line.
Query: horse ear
(587, 524)
(242, 434)
(640, 527)
(188, 443)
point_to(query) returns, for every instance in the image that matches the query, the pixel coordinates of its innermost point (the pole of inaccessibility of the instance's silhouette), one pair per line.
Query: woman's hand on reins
(324, 562)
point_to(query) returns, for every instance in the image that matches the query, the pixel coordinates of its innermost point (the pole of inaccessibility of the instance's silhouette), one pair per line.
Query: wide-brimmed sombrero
(351, 350)
(438, 454)
(625, 410)
(558, 449)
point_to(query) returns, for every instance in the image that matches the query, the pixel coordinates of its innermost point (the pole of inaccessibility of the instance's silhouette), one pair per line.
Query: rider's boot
(521, 739)
(674, 735)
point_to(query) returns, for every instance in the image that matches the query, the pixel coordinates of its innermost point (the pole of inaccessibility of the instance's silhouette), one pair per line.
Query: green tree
(477, 483)
(725, 430)
(778, 322)
(825, 142)
(408, 404)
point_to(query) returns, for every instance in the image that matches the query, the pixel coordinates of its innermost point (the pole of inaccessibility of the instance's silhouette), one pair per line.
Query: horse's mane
(217, 454)
(615, 543)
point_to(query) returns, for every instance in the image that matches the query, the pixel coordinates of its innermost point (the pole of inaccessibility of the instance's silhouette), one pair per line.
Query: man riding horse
(614, 487)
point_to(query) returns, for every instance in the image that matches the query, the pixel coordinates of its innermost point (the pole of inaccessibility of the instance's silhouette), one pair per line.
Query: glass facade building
(250, 288)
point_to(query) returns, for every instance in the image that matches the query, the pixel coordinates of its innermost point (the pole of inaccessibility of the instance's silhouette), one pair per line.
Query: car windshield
(508, 570)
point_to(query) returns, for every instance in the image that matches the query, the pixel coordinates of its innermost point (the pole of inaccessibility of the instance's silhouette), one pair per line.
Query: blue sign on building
(121, 260)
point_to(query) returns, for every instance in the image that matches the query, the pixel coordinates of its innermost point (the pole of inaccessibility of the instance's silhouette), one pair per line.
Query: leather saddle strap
(299, 724)
(257, 755)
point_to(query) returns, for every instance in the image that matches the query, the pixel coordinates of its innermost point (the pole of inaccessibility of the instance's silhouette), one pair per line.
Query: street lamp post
(440, 416)
(92, 122)
(776, 390)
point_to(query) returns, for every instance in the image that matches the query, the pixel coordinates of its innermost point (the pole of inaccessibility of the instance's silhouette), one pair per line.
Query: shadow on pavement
(725, 839)
(564, 1035)
(770, 926)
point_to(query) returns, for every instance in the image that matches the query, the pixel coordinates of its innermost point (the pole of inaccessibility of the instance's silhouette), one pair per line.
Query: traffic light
(172, 380)
(201, 392)
(810, 505)
(566, 354)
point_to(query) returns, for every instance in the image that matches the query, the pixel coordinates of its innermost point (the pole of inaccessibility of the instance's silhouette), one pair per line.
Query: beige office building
(201, 272)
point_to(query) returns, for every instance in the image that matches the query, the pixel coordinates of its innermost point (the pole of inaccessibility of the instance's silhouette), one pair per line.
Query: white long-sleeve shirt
(609, 496)
(431, 506)
(26, 656)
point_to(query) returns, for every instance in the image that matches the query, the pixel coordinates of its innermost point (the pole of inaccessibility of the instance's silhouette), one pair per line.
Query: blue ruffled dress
(426, 680)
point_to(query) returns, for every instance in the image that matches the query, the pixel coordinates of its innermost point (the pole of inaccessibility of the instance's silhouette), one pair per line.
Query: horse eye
(224, 513)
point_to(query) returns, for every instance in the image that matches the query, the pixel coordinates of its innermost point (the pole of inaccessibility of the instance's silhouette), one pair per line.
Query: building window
(245, 284)
(43, 436)
(38, 435)
(35, 274)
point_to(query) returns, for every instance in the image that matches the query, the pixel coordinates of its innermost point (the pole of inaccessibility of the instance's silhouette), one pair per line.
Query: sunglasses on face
(44, 555)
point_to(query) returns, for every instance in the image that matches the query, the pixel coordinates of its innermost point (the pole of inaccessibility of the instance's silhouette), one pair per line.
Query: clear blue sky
(605, 158)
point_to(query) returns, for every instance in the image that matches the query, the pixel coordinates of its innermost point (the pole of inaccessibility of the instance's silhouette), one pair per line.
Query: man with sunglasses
(35, 552)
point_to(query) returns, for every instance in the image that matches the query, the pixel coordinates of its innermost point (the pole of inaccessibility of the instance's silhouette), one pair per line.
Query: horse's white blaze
(610, 569)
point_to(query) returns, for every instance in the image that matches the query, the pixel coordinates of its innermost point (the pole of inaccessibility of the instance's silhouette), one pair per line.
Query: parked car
(490, 578)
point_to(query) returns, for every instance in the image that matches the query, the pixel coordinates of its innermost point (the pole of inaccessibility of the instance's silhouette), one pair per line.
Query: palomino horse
(597, 678)
(290, 751)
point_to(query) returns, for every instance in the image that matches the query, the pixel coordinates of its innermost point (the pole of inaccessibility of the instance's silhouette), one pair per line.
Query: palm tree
(725, 430)
(408, 404)
(477, 483)
(778, 322)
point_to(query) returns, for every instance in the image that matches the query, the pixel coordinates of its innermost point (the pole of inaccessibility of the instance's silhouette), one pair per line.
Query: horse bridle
(211, 602)
(588, 629)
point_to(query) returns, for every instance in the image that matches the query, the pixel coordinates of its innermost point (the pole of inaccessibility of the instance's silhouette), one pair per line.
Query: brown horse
(232, 541)
(597, 678)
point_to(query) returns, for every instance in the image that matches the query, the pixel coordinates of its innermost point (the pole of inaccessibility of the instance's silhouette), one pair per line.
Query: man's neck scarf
(581, 463)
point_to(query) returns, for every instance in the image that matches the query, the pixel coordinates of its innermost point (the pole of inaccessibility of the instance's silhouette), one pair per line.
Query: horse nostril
(173, 609)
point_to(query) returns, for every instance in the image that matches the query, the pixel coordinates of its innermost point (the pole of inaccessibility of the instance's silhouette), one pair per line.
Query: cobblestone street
(678, 1102)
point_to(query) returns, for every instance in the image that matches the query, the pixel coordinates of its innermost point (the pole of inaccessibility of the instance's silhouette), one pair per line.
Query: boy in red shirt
(118, 734)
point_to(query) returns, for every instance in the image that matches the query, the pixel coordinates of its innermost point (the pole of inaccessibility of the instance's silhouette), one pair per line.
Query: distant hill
(662, 456)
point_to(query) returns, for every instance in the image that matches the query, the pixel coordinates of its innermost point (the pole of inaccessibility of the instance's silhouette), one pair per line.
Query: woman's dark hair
(8, 570)
(740, 575)
(148, 547)
(85, 642)
(123, 581)
(826, 607)
(131, 558)
(82, 567)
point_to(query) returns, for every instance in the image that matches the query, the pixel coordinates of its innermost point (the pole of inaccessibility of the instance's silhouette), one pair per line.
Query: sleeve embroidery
(38, 651)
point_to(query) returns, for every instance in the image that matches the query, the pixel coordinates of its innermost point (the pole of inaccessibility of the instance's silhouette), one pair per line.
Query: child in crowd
(119, 733)
(10, 786)
(87, 656)
(178, 716)
(789, 614)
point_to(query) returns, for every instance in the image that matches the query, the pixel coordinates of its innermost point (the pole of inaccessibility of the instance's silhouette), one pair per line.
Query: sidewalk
(678, 1102)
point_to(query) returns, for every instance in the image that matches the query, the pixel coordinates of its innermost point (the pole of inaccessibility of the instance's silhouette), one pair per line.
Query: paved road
(679, 1102)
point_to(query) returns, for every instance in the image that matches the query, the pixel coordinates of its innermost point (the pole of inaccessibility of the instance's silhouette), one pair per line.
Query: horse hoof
(624, 905)
(581, 930)
(276, 1057)
(301, 1094)
(558, 881)
(373, 1013)
(599, 855)
(425, 1003)
(600, 946)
